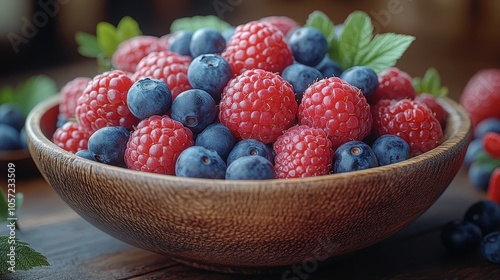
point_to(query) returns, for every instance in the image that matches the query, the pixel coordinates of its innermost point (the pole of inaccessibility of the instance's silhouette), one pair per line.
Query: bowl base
(235, 270)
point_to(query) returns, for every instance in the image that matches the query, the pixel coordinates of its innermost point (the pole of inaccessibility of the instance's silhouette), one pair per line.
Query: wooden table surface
(78, 250)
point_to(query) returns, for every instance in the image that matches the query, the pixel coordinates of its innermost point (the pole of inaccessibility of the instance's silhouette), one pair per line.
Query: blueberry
(11, 114)
(309, 45)
(180, 41)
(216, 137)
(200, 162)
(353, 155)
(460, 236)
(362, 77)
(23, 141)
(301, 76)
(250, 147)
(108, 144)
(228, 33)
(61, 120)
(479, 174)
(195, 109)
(475, 147)
(390, 149)
(329, 67)
(487, 125)
(485, 214)
(250, 168)
(86, 154)
(490, 247)
(9, 138)
(211, 73)
(206, 41)
(148, 97)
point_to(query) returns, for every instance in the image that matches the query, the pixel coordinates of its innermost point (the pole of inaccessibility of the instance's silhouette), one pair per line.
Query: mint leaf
(194, 23)
(107, 38)
(34, 90)
(25, 257)
(356, 36)
(430, 83)
(383, 51)
(127, 28)
(87, 44)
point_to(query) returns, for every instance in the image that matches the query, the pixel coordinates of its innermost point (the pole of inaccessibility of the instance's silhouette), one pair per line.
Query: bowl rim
(458, 129)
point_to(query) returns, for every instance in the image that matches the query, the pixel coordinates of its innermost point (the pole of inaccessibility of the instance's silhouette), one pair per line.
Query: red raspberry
(155, 145)
(338, 108)
(283, 23)
(302, 152)
(491, 144)
(258, 104)
(410, 120)
(430, 101)
(393, 83)
(131, 51)
(168, 67)
(104, 102)
(258, 45)
(493, 191)
(70, 93)
(71, 137)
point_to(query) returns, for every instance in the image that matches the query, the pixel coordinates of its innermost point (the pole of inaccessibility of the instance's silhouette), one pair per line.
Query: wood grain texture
(248, 226)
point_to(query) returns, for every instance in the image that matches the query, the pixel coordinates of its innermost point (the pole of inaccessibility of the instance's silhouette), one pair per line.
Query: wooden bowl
(241, 226)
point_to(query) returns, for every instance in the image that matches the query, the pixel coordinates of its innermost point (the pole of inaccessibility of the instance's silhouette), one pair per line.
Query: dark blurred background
(458, 37)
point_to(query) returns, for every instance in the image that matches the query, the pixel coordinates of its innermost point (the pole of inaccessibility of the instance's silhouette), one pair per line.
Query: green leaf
(87, 44)
(127, 28)
(356, 36)
(34, 90)
(323, 23)
(383, 51)
(25, 257)
(430, 83)
(196, 22)
(7, 95)
(107, 38)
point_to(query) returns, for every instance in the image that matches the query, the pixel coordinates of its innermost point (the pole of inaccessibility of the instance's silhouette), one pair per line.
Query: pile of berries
(12, 135)
(262, 101)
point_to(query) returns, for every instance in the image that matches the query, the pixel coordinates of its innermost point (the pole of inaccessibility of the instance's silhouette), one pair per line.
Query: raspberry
(259, 105)
(131, 51)
(258, 45)
(493, 191)
(156, 144)
(491, 144)
(170, 67)
(283, 23)
(430, 101)
(104, 102)
(302, 152)
(338, 108)
(71, 137)
(393, 83)
(410, 120)
(70, 93)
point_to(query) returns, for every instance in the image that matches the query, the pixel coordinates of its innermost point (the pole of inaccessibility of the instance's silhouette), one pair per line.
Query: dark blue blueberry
(329, 67)
(23, 141)
(490, 247)
(108, 144)
(11, 114)
(180, 41)
(301, 77)
(353, 155)
(86, 154)
(61, 120)
(309, 45)
(479, 174)
(460, 236)
(491, 124)
(217, 137)
(390, 149)
(200, 162)
(210, 72)
(250, 147)
(475, 147)
(148, 97)
(195, 109)
(485, 214)
(9, 138)
(362, 77)
(206, 41)
(250, 168)
(228, 33)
